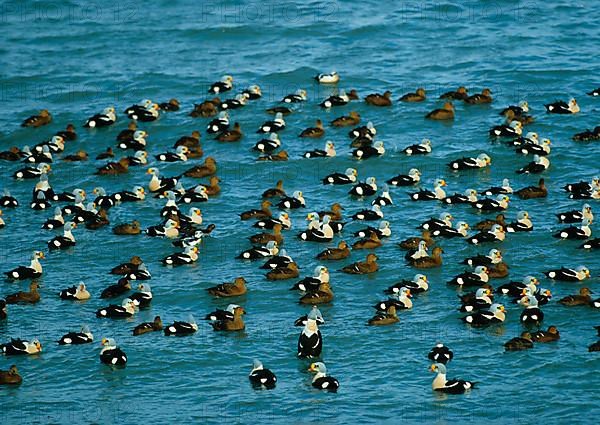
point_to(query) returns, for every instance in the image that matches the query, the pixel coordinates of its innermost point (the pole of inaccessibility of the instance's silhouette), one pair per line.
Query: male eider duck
(569, 275)
(498, 204)
(39, 120)
(239, 101)
(479, 98)
(328, 78)
(270, 222)
(523, 342)
(363, 267)
(67, 240)
(310, 342)
(298, 96)
(561, 107)
(495, 234)
(348, 177)
(327, 152)
(422, 148)
(180, 154)
(321, 380)
(523, 223)
(113, 311)
(188, 256)
(77, 338)
(476, 278)
(179, 328)
(538, 165)
(292, 202)
(106, 118)
(482, 299)
(515, 289)
(387, 317)
(10, 377)
(377, 99)
(417, 96)
(273, 126)
(532, 315)
(33, 271)
(366, 188)
(401, 300)
(542, 148)
(170, 106)
(18, 347)
(413, 177)
(31, 172)
(495, 314)
(225, 84)
(111, 354)
(514, 129)
(591, 244)
(146, 327)
(255, 253)
(143, 297)
(77, 292)
(572, 232)
(445, 113)
(262, 377)
(427, 195)
(440, 354)
(377, 149)
(468, 197)
(576, 216)
(450, 386)
(482, 161)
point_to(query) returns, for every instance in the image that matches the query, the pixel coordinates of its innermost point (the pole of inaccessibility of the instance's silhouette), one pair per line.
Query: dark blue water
(76, 58)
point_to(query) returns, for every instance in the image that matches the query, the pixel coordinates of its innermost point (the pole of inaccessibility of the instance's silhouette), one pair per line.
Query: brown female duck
(342, 251)
(377, 99)
(363, 267)
(353, 118)
(264, 238)
(133, 228)
(276, 191)
(229, 289)
(417, 96)
(384, 318)
(208, 168)
(314, 132)
(371, 242)
(435, 260)
(446, 112)
(21, 297)
(10, 376)
(322, 295)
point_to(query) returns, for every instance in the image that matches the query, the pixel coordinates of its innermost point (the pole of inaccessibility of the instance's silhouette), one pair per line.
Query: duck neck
(439, 381)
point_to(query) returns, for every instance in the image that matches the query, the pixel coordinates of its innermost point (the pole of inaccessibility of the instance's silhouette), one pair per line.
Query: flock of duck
(182, 222)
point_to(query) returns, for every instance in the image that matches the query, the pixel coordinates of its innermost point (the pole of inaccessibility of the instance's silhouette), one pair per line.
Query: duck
(542, 148)
(169, 230)
(40, 202)
(279, 156)
(127, 134)
(313, 132)
(328, 78)
(452, 386)
(417, 285)
(188, 256)
(321, 380)
(377, 149)
(495, 234)
(370, 242)
(591, 244)
(141, 273)
(32, 172)
(236, 323)
(413, 177)
(292, 202)
(114, 168)
(482, 299)
(255, 253)
(413, 242)
(583, 298)
(261, 377)
(113, 311)
(196, 194)
(133, 228)
(143, 297)
(31, 297)
(80, 155)
(537, 166)
(366, 188)
(269, 223)
(219, 124)
(323, 233)
(468, 197)
(206, 109)
(239, 101)
(476, 278)
(264, 238)
(427, 195)
(440, 354)
(67, 240)
(104, 119)
(532, 192)
(311, 283)
(435, 260)
(338, 253)
(446, 112)
(263, 213)
(583, 186)
(2, 222)
(122, 286)
(223, 85)
(320, 295)
(229, 289)
(348, 177)
(12, 154)
(515, 289)
(280, 260)
(37, 157)
(504, 189)
(523, 342)
(339, 99)
(532, 315)
(10, 376)
(84, 336)
(562, 107)
(493, 257)
(550, 335)
(146, 327)
(377, 99)
(147, 114)
(233, 135)
(298, 96)
(576, 216)
(513, 129)
(495, 314)
(523, 223)
(273, 126)
(137, 108)
(460, 93)
(422, 148)
(587, 135)
(461, 231)
(482, 161)
(126, 268)
(42, 118)
(479, 98)
(275, 192)
(417, 96)
(419, 252)
(363, 267)
(111, 354)
(498, 204)
(170, 106)
(180, 154)
(310, 341)
(7, 200)
(565, 274)
(335, 212)
(488, 223)
(401, 300)
(572, 232)
(19, 347)
(77, 292)
(159, 184)
(367, 131)
(387, 317)
(327, 152)
(353, 118)
(55, 145)
(180, 328)
(372, 214)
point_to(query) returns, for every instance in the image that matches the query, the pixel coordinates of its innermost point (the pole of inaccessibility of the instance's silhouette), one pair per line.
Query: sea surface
(76, 58)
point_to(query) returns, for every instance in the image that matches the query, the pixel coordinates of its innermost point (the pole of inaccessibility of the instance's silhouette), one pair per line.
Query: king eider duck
(538, 165)
(321, 380)
(561, 107)
(377, 99)
(417, 285)
(384, 198)
(328, 78)
(591, 244)
(311, 283)
(498, 204)
(383, 230)
(413, 177)
(225, 84)
(368, 188)
(523, 223)
(269, 223)
(440, 354)
(374, 213)
(231, 323)
(481, 300)
(77, 338)
(260, 252)
(262, 377)
(514, 129)
(77, 292)
(479, 98)
(32, 172)
(495, 314)
(515, 289)
(569, 275)
(269, 144)
(348, 177)
(10, 377)
(319, 232)
(137, 108)
(572, 232)
(427, 195)
(499, 190)
(298, 96)
(532, 315)
(125, 310)
(451, 386)
(576, 216)
(146, 327)
(18, 347)
(143, 297)
(482, 161)
(239, 101)
(106, 118)
(445, 113)
(292, 202)
(543, 148)
(180, 154)
(401, 300)
(179, 328)
(38, 120)
(67, 240)
(188, 256)
(476, 278)
(111, 354)
(310, 342)
(7, 200)
(33, 271)
(377, 149)
(495, 234)
(219, 124)
(417, 96)
(274, 126)
(422, 148)
(327, 152)
(469, 197)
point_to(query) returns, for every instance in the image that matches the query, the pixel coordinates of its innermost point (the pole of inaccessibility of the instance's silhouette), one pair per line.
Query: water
(76, 58)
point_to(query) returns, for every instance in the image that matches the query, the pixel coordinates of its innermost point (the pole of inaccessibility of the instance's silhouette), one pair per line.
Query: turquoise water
(76, 58)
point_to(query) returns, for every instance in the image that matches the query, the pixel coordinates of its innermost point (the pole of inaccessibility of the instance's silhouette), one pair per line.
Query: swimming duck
(498, 204)
(445, 113)
(111, 354)
(401, 300)
(262, 213)
(296, 97)
(170, 230)
(353, 118)
(10, 377)
(538, 165)
(520, 109)
(37, 157)
(469, 197)
(387, 317)
(450, 386)
(591, 244)
(550, 335)
(583, 186)
(280, 260)
(482, 161)
(515, 289)
(12, 154)
(170, 106)
(198, 193)
(328, 78)
(532, 315)
(264, 238)
(413, 242)
(39, 120)
(495, 234)
(363, 267)
(227, 289)
(2, 223)
(138, 107)
(154, 326)
(459, 94)
(435, 260)
(340, 252)
(413, 177)
(476, 278)
(417, 96)
(588, 135)
(370, 242)
(279, 156)
(292, 202)
(523, 223)
(103, 200)
(122, 286)
(440, 354)
(569, 275)
(239, 101)
(221, 86)
(274, 126)
(8, 201)
(311, 283)
(422, 148)
(67, 240)
(255, 253)
(289, 271)
(482, 299)
(366, 188)
(126, 268)
(495, 314)
(323, 233)
(576, 216)
(40, 202)
(377, 149)
(262, 377)
(499, 190)
(572, 232)
(310, 342)
(367, 131)
(374, 213)
(80, 155)
(531, 192)
(487, 224)
(231, 324)
(141, 273)
(108, 153)
(18, 347)
(327, 152)
(133, 228)
(180, 154)
(160, 184)
(377, 99)
(206, 109)
(233, 135)
(188, 256)
(269, 223)
(494, 256)
(514, 129)
(147, 114)
(143, 296)
(561, 107)
(335, 212)
(32, 172)
(542, 148)
(104, 119)
(427, 195)
(479, 98)
(54, 145)
(76, 292)
(417, 285)
(321, 380)
(113, 311)
(31, 297)
(419, 252)
(77, 338)
(180, 328)
(583, 298)
(524, 342)
(114, 168)
(339, 99)
(276, 191)
(219, 124)
(348, 177)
